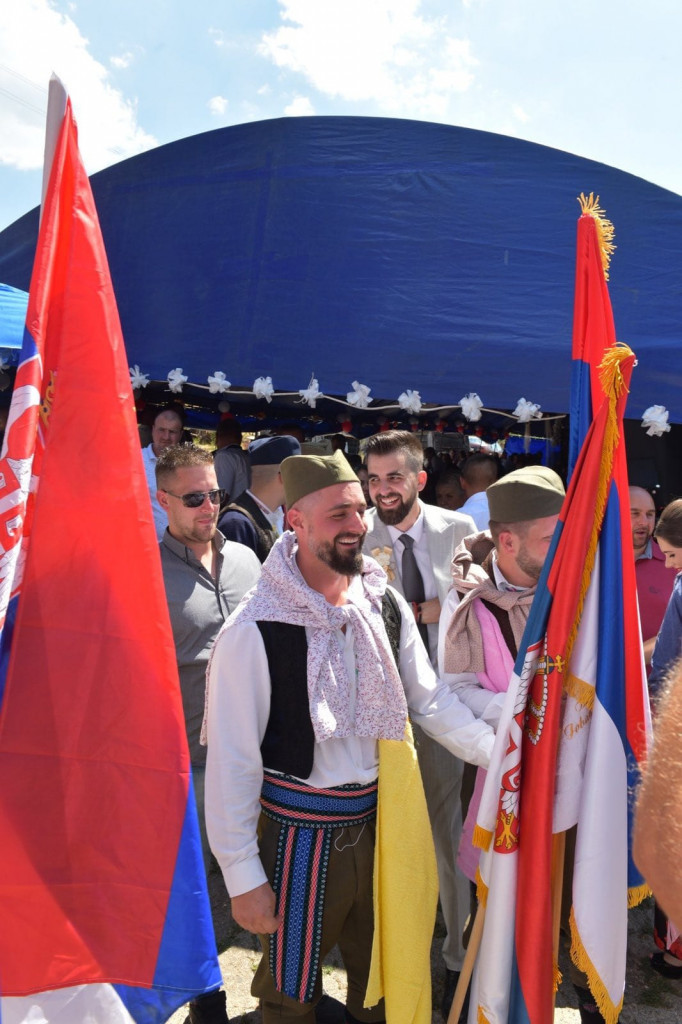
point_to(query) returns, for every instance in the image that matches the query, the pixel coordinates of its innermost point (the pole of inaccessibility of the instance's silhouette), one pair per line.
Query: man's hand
(255, 910)
(430, 611)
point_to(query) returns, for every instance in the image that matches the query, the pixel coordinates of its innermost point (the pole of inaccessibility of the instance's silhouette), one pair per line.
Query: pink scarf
(282, 595)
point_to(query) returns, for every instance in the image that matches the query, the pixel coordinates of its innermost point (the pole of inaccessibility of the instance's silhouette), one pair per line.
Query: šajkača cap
(304, 474)
(532, 492)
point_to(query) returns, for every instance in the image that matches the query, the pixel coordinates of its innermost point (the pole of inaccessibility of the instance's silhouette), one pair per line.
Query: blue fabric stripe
(188, 960)
(6, 643)
(611, 647)
(518, 1014)
(580, 411)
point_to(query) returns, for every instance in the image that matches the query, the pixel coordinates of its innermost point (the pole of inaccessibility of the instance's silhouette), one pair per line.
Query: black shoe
(329, 1010)
(211, 1008)
(589, 1011)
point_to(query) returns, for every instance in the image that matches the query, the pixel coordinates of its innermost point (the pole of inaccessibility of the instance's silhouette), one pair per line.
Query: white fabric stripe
(600, 874)
(82, 1004)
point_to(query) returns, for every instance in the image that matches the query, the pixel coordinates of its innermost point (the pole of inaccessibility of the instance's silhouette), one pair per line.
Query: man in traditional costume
(315, 807)
(495, 576)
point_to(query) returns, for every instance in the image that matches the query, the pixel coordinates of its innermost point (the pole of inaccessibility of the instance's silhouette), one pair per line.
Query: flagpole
(558, 859)
(56, 108)
(467, 966)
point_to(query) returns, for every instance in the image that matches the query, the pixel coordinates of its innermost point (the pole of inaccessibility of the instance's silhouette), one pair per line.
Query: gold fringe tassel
(481, 1017)
(612, 382)
(637, 894)
(557, 978)
(609, 1011)
(481, 889)
(582, 692)
(482, 837)
(589, 206)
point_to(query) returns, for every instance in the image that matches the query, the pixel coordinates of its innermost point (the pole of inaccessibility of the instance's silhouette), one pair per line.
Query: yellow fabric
(405, 889)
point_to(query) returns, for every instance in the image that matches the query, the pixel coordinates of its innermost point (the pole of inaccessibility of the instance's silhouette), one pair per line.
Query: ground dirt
(648, 997)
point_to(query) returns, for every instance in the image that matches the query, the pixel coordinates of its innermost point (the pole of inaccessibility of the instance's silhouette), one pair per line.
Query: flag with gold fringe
(575, 724)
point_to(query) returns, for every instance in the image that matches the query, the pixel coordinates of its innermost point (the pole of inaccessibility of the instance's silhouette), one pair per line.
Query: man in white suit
(415, 542)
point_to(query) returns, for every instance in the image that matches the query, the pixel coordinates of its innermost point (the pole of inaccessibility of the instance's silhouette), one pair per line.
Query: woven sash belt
(308, 817)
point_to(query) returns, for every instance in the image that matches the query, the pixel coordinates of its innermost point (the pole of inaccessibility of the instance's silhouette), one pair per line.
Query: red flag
(96, 807)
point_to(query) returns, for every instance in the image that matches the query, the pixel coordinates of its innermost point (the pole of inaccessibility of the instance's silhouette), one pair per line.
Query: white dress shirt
(160, 517)
(423, 559)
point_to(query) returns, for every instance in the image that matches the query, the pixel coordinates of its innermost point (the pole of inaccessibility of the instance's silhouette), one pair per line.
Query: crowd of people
(345, 632)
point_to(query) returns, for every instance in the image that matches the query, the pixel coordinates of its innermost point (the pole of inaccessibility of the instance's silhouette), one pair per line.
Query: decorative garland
(654, 421)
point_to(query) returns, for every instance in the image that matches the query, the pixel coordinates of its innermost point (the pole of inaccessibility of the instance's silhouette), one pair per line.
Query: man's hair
(228, 430)
(449, 475)
(176, 410)
(179, 456)
(390, 441)
(520, 529)
(669, 526)
(480, 470)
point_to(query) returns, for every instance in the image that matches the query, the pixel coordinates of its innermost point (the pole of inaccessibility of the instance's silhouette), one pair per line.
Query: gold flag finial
(589, 206)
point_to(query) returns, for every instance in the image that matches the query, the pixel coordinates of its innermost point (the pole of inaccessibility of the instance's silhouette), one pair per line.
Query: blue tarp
(399, 253)
(13, 303)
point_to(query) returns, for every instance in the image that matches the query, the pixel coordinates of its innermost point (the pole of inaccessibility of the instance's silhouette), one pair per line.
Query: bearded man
(310, 685)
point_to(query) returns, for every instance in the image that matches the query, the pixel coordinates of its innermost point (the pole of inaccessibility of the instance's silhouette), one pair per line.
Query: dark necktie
(413, 583)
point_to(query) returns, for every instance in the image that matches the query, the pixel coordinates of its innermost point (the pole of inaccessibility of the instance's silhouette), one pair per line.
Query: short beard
(527, 564)
(394, 516)
(344, 563)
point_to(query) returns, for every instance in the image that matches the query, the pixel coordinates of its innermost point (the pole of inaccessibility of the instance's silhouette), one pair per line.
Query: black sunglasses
(196, 498)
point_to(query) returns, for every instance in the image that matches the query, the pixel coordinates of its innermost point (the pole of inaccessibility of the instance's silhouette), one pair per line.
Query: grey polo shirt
(198, 606)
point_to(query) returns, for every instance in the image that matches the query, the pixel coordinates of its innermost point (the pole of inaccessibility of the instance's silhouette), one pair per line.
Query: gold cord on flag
(612, 383)
(589, 206)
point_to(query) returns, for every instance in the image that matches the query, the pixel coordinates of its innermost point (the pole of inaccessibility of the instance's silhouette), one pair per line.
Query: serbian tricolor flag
(105, 915)
(574, 728)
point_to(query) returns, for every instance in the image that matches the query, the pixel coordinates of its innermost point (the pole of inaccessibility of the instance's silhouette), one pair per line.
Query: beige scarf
(464, 641)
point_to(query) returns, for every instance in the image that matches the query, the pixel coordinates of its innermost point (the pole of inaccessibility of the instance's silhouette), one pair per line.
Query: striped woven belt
(308, 817)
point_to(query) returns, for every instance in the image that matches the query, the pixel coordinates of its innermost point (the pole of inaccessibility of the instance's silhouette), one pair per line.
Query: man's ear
(295, 517)
(162, 499)
(506, 541)
(422, 477)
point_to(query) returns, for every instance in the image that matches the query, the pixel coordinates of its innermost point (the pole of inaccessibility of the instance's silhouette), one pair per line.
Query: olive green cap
(304, 474)
(532, 492)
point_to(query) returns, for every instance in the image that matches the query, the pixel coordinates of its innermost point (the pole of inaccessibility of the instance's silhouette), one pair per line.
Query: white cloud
(217, 105)
(300, 106)
(36, 40)
(218, 36)
(384, 51)
(122, 61)
(520, 114)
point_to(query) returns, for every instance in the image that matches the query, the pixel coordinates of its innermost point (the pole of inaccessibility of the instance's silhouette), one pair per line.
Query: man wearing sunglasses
(205, 577)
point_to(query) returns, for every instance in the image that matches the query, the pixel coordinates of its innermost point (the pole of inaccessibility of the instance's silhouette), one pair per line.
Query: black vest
(289, 741)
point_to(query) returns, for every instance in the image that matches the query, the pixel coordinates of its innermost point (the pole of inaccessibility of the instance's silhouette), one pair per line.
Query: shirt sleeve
(226, 470)
(669, 640)
(433, 705)
(238, 712)
(485, 704)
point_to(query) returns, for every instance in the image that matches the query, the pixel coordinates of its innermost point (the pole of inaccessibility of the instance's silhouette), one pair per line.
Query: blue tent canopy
(403, 254)
(13, 303)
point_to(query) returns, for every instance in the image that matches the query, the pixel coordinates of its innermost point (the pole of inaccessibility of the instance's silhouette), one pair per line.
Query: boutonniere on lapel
(384, 558)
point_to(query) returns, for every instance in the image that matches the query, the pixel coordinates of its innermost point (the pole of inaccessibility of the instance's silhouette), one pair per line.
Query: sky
(599, 78)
